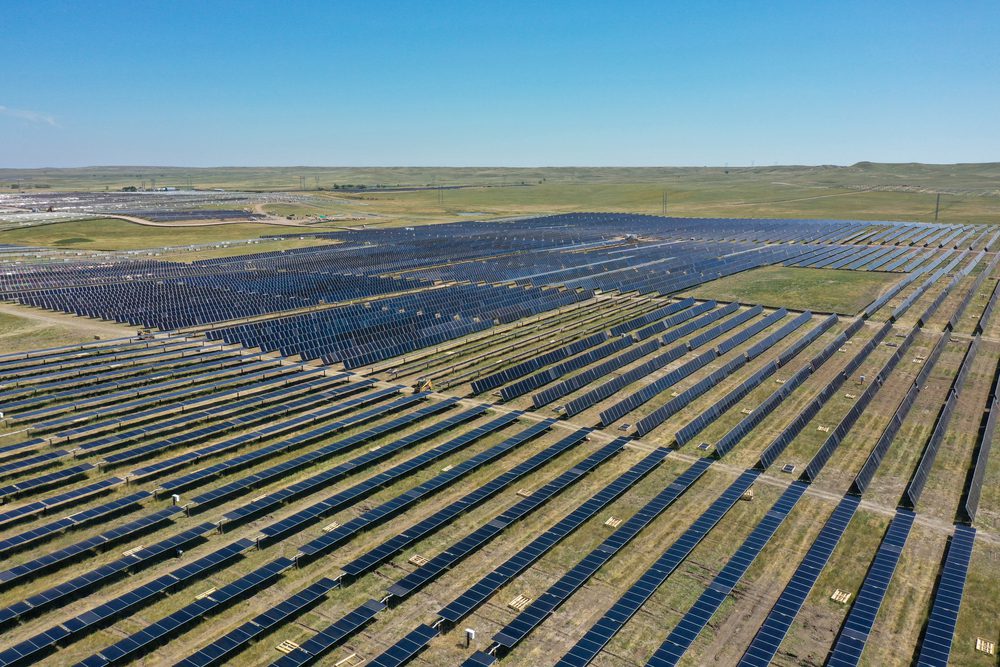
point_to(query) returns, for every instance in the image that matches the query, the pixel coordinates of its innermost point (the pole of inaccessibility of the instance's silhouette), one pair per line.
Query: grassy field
(823, 290)
(112, 234)
(27, 329)
(866, 191)
(243, 248)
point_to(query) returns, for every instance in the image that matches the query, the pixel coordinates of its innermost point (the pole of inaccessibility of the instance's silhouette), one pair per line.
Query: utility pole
(664, 203)
(937, 207)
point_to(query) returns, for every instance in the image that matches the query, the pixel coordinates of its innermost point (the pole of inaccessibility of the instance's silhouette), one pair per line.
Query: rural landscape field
(527, 416)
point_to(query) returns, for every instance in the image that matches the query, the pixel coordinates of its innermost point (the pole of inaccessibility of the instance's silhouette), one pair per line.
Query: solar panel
(859, 622)
(768, 638)
(974, 485)
(537, 380)
(935, 644)
(380, 554)
(685, 316)
(920, 475)
(579, 574)
(45, 481)
(480, 536)
(61, 557)
(331, 636)
(406, 649)
(334, 503)
(143, 641)
(698, 616)
(225, 648)
(225, 467)
(461, 606)
(116, 608)
(94, 579)
(399, 503)
(519, 370)
(289, 466)
(612, 386)
(38, 533)
(628, 604)
(581, 380)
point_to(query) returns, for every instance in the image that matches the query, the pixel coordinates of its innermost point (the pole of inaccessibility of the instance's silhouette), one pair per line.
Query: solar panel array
(857, 626)
(935, 645)
(262, 450)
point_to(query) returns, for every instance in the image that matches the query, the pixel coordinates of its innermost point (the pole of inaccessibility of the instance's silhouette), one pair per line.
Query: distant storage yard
(602, 438)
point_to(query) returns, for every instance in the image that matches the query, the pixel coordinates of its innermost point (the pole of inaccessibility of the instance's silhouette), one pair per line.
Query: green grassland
(822, 290)
(113, 234)
(865, 191)
(27, 329)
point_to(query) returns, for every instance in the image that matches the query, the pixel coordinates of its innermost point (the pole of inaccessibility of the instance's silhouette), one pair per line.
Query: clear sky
(212, 83)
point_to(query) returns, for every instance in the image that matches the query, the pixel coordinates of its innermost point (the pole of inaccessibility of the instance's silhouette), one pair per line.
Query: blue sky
(500, 83)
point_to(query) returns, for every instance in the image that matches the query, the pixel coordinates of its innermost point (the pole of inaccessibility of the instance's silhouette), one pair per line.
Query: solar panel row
(708, 603)
(804, 416)
(579, 574)
(229, 466)
(77, 520)
(638, 593)
(327, 476)
(581, 380)
(689, 430)
(973, 291)
(89, 621)
(476, 595)
(681, 317)
(991, 305)
(651, 317)
(382, 553)
(671, 407)
(646, 393)
(61, 557)
(406, 649)
(728, 325)
(318, 403)
(916, 486)
(37, 507)
(537, 380)
(758, 414)
(299, 520)
(874, 460)
(857, 626)
(87, 396)
(281, 470)
(480, 536)
(847, 422)
(386, 510)
(331, 636)
(935, 644)
(520, 370)
(226, 648)
(42, 482)
(93, 580)
(145, 640)
(256, 414)
(769, 636)
(612, 386)
(974, 487)
(157, 421)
